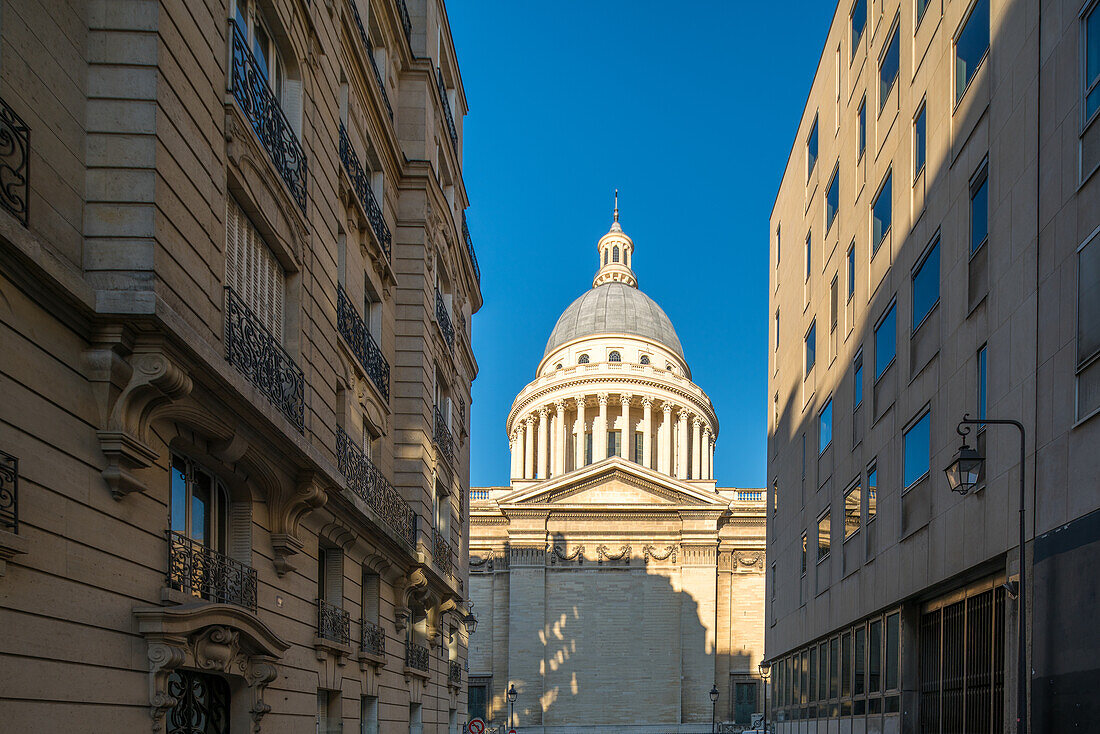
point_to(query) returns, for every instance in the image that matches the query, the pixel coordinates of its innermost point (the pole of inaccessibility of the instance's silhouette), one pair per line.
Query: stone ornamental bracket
(411, 593)
(287, 508)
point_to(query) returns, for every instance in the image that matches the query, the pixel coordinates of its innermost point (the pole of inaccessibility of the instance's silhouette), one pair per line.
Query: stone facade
(236, 286)
(951, 270)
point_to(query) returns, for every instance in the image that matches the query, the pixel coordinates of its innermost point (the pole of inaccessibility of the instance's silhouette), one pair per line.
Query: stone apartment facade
(935, 253)
(236, 290)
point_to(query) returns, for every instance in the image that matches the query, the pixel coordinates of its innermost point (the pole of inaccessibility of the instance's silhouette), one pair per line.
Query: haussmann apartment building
(935, 253)
(236, 285)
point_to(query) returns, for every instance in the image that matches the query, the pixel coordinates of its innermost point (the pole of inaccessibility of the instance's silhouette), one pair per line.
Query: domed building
(615, 584)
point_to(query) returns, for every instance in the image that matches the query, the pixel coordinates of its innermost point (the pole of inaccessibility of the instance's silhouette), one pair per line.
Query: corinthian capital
(647, 401)
(683, 414)
(696, 421)
(603, 399)
(544, 411)
(559, 405)
(625, 399)
(666, 408)
(581, 400)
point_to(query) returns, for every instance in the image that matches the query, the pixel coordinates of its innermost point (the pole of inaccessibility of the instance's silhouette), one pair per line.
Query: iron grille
(374, 639)
(362, 343)
(249, 84)
(451, 129)
(333, 623)
(9, 492)
(416, 656)
(201, 703)
(201, 571)
(255, 352)
(367, 481)
(406, 21)
(441, 552)
(15, 150)
(443, 439)
(470, 248)
(369, 48)
(364, 193)
(454, 673)
(443, 318)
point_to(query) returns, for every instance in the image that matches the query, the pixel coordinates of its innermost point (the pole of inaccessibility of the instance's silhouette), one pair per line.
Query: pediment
(614, 482)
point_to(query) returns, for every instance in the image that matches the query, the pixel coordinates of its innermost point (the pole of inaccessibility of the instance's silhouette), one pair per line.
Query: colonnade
(554, 438)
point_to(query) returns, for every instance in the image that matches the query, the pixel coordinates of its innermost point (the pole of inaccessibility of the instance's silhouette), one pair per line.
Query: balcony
(374, 639)
(333, 623)
(441, 552)
(366, 481)
(249, 84)
(416, 656)
(406, 21)
(255, 352)
(451, 129)
(454, 674)
(370, 55)
(443, 318)
(443, 439)
(15, 150)
(361, 184)
(470, 249)
(198, 570)
(362, 344)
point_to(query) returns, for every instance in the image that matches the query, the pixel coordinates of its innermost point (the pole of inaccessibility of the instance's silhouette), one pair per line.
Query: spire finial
(616, 205)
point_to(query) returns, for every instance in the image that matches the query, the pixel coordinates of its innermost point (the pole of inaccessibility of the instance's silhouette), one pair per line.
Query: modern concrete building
(615, 583)
(935, 253)
(236, 286)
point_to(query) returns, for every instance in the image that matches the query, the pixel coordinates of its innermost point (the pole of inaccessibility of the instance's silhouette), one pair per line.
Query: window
(328, 712)
(557, 366)
(825, 427)
(852, 508)
(922, 6)
(605, 257)
(1088, 325)
(874, 661)
(979, 209)
(882, 212)
(851, 270)
(859, 686)
(834, 665)
(811, 347)
(252, 271)
(834, 309)
(981, 383)
(857, 379)
(775, 496)
(778, 247)
(261, 42)
(416, 723)
(477, 702)
(615, 254)
(893, 641)
(872, 492)
(823, 536)
(809, 253)
(920, 141)
(926, 284)
(368, 715)
(811, 150)
(888, 66)
(803, 553)
(862, 126)
(971, 45)
(886, 341)
(846, 664)
(917, 448)
(859, 21)
(1092, 62)
(583, 359)
(639, 450)
(614, 357)
(773, 581)
(587, 449)
(644, 359)
(777, 333)
(370, 593)
(614, 443)
(832, 198)
(199, 508)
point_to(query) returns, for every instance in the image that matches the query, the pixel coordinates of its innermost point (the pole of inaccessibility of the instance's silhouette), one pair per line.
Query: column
(682, 445)
(559, 438)
(696, 448)
(529, 447)
(664, 449)
(707, 453)
(628, 435)
(647, 432)
(513, 449)
(578, 460)
(599, 432)
(541, 449)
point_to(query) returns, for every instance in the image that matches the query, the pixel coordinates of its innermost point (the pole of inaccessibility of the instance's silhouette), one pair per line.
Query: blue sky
(690, 115)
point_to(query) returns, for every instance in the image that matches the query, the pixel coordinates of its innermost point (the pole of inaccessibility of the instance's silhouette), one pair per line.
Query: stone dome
(614, 308)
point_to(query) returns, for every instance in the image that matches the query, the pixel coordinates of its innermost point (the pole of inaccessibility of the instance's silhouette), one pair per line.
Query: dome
(614, 308)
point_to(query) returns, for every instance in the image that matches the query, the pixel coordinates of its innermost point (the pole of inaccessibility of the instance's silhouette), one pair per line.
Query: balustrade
(333, 623)
(364, 193)
(443, 439)
(369, 48)
(15, 151)
(201, 571)
(446, 103)
(441, 552)
(443, 318)
(367, 481)
(362, 343)
(470, 249)
(416, 656)
(374, 639)
(9, 492)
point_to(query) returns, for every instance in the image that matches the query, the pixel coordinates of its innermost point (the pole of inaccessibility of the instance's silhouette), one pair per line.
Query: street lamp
(713, 705)
(962, 475)
(469, 621)
(765, 669)
(512, 696)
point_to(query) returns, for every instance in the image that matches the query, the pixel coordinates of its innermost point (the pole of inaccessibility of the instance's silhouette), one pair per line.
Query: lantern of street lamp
(965, 468)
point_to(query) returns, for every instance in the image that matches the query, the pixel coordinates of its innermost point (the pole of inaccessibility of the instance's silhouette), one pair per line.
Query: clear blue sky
(690, 110)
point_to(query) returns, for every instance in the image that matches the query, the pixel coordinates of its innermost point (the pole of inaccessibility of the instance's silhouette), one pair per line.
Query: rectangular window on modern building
(893, 645)
(851, 270)
(859, 680)
(834, 309)
(778, 244)
(1088, 326)
(886, 338)
(922, 6)
(872, 492)
(832, 199)
(971, 45)
(916, 445)
(825, 426)
(888, 66)
(859, 22)
(882, 212)
(853, 499)
(803, 565)
(823, 533)
(776, 347)
(1092, 62)
(920, 141)
(874, 657)
(982, 395)
(809, 252)
(857, 380)
(926, 284)
(979, 209)
(846, 665)
(811, 347)
(862, 127)
(811, 149)
(834, 667)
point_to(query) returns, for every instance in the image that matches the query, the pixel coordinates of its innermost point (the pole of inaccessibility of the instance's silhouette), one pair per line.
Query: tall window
(199, 507)
(1088, 324)
(614, 443)
(252, 270)
(981, 381)
(971, 46)
(477, 702)
(874, 657)
(825, 427)
(852, 508)
(862, 126)
(979, 209)
(888, 66)
(587, 448)
(778, 244)
(416, 722)
(615, 254)
(872, 491)
(368, 715)
(811, 150)
(886, 340)
(776, 347)
(859, 21)
(639, 447)
(1092, 63)
(917, 447)
(920, 141)
(832, 198)
(811, 347)
(809, 252)
(882, 212)
(851, 270)
(922, 6)
(261, 42)
(803, 552)
(926, 284)
(857, 380)
(823, 529)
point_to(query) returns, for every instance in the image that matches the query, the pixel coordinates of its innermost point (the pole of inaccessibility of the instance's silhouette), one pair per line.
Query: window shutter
(370, 597)
(252, 270)
(240, 531)
(334, 577)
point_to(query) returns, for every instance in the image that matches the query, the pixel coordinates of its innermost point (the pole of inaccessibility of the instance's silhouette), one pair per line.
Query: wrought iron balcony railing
(364, 193)
(9, 492)
(369, 48)
(441, 552)
(470, 248)
(249, 84)
(333, 623)
(454, 673)
(255, 352)
(366, 481)
(451, 129)
(416, 656)
(443, 318)
(374, 639)
(443, 438)
(15, 156)
(362, 343)
(406, 21)
(196, 569)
